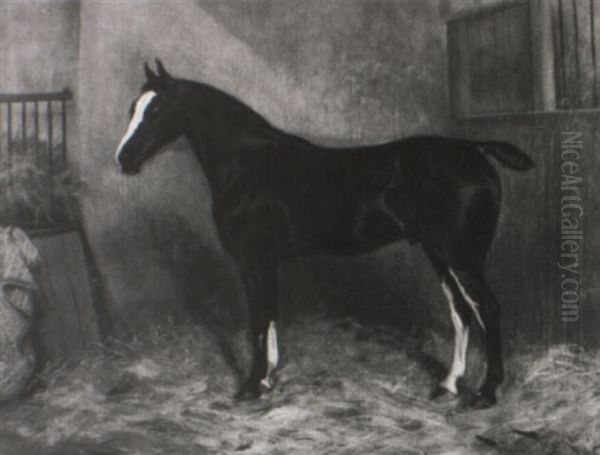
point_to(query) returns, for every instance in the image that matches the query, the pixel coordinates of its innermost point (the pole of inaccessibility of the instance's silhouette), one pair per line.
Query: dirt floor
(344, 389)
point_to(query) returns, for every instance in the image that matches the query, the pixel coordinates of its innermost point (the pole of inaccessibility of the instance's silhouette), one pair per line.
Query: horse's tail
(507, 155)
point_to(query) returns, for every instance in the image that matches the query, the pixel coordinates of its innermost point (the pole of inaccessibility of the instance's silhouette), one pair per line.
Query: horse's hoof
(442, 395)
(482, 401)
(247, 392)
(266, 385)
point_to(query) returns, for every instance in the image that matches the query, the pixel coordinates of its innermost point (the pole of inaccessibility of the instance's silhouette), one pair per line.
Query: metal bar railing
(1, 131)
(50, 151)
(36, 128)
(63, 118)
(24, 122)
(34, 136)
(9, 138)
(65, 95)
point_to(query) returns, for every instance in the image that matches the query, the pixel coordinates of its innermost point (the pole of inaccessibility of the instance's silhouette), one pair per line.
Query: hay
(344, 389)
(31, 192)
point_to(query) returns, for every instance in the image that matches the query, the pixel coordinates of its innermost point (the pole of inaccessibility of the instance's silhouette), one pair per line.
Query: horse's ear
(162, 72)
(150, 75)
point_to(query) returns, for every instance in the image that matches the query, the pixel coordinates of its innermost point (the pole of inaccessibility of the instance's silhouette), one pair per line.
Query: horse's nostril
(122, 156)
(121, 160)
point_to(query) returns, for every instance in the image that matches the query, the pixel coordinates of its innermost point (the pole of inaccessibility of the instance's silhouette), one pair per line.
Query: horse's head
(156, 119)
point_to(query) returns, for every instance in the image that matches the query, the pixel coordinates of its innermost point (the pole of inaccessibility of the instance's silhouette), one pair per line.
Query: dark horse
(276, 196)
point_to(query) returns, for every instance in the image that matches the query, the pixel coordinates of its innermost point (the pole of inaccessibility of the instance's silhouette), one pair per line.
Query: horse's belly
(361, 229)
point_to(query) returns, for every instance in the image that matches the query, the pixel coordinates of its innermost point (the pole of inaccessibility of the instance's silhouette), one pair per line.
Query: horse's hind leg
(470, 299)
(461, 316)
(480, 299)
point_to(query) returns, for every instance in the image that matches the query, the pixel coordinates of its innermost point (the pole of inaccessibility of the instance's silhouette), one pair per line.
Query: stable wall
(38, 45)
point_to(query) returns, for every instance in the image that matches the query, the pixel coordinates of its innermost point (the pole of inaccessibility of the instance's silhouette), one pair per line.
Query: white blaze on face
(138, 115)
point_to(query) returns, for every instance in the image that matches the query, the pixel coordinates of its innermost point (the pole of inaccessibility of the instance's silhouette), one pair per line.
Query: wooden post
(458, 69)
(542, 42)
(69, 322)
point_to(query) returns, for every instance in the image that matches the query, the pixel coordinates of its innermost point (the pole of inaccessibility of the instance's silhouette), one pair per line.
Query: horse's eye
(154, 110)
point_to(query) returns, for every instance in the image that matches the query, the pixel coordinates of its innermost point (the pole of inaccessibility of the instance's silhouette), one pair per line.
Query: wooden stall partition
(67, 321)
(490, 64)
(522, 265)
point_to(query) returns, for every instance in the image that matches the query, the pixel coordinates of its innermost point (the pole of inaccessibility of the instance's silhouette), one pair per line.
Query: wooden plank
(68, 322)
(595, 26)
(63, 305)
(458, 62)
(503, 57)
(559, 65)
(496, 59)
(490, 98)
(543, 79)
(520, 90)
(453, 69)
(81, 287)
(585, 53)
(49, 325)
(474, 53)
(570, 96)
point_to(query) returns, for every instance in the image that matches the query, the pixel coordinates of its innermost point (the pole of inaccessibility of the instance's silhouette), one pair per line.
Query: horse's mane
(260, 129)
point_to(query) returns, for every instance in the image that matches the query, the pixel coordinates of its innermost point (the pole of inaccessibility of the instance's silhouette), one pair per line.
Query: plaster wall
(38, 45)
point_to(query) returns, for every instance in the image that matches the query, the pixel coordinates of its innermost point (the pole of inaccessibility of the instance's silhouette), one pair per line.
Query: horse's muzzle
(129, 169)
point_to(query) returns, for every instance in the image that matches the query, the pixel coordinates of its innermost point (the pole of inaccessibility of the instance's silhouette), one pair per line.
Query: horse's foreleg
(261, 294)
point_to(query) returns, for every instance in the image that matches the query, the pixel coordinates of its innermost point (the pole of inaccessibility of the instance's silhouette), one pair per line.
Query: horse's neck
(209, 161)
(216, 146)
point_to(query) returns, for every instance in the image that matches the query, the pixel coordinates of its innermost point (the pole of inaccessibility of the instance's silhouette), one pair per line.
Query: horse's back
(348, 200)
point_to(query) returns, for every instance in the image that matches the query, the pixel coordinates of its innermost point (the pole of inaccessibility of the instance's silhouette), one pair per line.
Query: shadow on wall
(208, 281)
(363, 71)
(168, 275)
